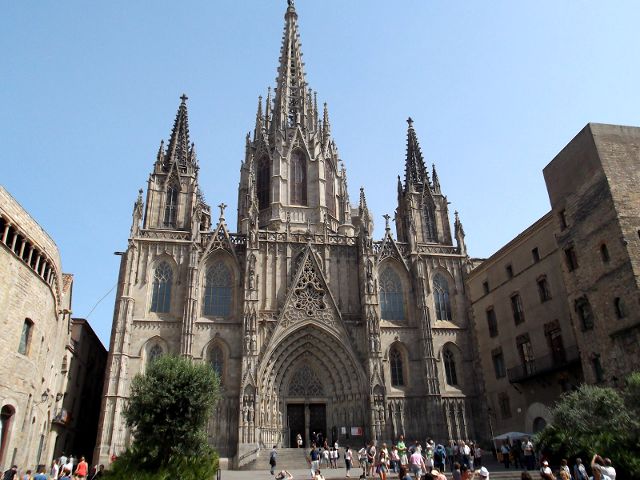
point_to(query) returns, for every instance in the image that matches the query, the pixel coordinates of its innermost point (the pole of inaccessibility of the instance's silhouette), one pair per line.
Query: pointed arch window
(450, 368)
(441, 297)
(263, 182)
(217, 293)
(430, 233)
(391, 295)
(162, 280)
(395, 362)
(330, 187)
(216, 360)
(298, 179)
(171, 206)
(155, 353)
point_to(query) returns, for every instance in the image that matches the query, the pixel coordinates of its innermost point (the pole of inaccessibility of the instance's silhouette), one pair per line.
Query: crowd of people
(461, 460)
(62, 468)
(408, 462)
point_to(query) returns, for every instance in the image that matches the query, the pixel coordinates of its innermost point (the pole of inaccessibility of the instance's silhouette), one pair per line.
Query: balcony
(544, 365)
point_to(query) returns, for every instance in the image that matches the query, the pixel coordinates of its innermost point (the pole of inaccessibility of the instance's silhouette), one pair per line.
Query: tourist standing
(11, 473)
(579, 470)
(382, 466)
(402, 451)
(371, 457)
(299, 441)
(394, 459)
(314, 455)
(529, 456)
(505, 450)
(362, 460)
(41, 475)
(272, 460)
(416, 464)
(565, 472)
(55, 470)
(455, 472)
(404, 474)
(348, 459)
(545, 471)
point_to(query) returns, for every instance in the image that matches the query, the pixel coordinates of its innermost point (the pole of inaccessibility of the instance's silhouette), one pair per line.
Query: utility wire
(98, 302)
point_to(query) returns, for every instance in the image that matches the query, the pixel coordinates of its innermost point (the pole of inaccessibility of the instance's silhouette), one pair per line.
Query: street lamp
(43, 398)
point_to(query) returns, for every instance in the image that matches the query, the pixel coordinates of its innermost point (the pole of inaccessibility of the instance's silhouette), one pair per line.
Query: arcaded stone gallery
(312, 324)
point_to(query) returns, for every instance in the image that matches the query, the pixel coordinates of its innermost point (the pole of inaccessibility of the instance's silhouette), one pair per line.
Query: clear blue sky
(496, 89)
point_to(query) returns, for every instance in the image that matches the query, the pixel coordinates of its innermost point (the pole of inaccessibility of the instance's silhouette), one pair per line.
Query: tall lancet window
(441, 297)
(391, 295)
(395, 362)
(298, 179)
(155, 353)
(162, 279)
(330, 187)
(430, 234)
(171, 206)
(263, 182)
(216, 357)
(217, 292)
(450, 367)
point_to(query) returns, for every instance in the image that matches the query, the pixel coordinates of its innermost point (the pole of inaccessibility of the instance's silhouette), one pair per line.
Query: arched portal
(311, 382)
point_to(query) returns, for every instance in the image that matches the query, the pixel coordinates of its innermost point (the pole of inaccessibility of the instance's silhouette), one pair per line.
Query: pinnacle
(415, 170)
(178, 149)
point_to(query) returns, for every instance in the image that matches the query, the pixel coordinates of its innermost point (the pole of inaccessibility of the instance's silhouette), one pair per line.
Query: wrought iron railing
(544, 365)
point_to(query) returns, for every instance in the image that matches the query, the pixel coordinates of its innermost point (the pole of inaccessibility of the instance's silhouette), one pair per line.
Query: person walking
(11, 473)
(505, 450)
(383, 465)
(416, 464)
(402, 451)
(55, 470)
(82, 469)
(272, 460)
(528, 453)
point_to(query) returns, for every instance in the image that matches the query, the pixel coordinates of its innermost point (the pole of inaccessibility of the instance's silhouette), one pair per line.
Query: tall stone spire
(290, 105)
(178, 150)
(416, 175)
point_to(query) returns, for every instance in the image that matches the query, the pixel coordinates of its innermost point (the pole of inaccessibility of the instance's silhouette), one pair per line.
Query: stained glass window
(216, 358)
(391, 295)
(441, 297)
(155, 352)
(162, 279)
(217, 293)
(450, 367)
(395, 362)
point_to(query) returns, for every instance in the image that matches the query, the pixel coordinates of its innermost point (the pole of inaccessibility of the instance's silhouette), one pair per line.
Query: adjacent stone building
(593, 188)
(311, 323)
(35, 300)
(83, 367)
(527, 347)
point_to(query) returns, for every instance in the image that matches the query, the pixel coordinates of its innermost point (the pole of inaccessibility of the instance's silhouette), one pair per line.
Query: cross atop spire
(415, 170)
(178, 149)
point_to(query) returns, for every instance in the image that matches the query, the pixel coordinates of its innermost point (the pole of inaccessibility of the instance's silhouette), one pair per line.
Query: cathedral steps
(287, 459)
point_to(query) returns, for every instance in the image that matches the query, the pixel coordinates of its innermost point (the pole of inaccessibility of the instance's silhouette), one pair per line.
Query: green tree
(593, 420)
(167, 411)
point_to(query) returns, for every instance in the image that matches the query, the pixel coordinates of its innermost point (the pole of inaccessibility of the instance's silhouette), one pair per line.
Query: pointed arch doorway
(306, 407)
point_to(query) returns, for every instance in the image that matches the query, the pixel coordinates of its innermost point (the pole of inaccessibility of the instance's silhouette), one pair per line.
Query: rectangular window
(516, 308)
(562, 215)
(556, 345)
(571, 259)
(536, 255)
(492, 322)
(25, 338)
(543, 289)
(598, 372)
(498, 363)
(485, 287)
(509, 270)
(583, 309)
(505, 405)
(525, 349)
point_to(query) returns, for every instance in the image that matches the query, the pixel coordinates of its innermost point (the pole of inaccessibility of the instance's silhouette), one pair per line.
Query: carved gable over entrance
(305, 383)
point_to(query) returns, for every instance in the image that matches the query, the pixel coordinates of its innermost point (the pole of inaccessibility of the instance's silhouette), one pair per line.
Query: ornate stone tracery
(305, 383)
(309, 293)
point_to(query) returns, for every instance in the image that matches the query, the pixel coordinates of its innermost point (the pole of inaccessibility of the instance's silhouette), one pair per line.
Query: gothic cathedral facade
(311, 323)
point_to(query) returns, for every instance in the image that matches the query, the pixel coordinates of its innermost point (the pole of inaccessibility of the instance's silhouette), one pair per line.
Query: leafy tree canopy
(168, 410)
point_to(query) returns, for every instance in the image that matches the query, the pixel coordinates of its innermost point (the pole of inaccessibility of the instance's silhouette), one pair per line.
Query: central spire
(290, 101)
(415, 170)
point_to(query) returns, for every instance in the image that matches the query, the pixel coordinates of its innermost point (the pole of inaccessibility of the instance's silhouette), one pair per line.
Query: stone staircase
(287, 459)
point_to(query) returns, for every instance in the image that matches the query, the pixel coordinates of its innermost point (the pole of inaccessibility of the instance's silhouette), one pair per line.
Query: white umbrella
(512, 436)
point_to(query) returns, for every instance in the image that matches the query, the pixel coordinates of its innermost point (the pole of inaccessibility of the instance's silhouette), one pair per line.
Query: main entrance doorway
(306, 419)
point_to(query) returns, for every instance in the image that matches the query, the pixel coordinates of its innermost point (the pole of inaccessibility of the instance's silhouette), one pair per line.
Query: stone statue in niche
(370, 281)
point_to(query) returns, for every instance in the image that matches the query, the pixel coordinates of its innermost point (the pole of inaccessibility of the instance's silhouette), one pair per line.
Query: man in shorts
(402, 451)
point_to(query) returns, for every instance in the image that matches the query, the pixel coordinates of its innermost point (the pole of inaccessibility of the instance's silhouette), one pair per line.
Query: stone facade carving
(305, 321)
